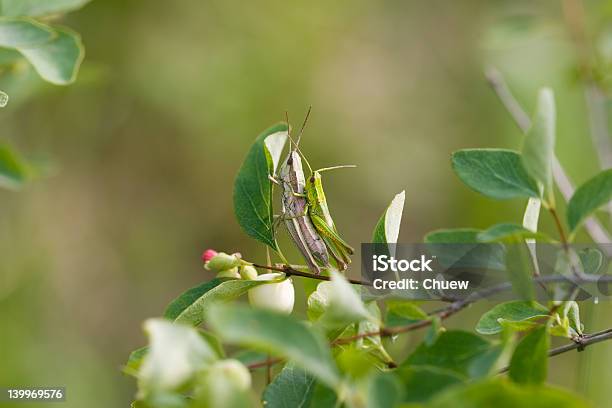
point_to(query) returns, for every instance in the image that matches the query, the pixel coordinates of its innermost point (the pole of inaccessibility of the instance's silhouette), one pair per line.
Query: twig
(497, 83)
(289, 271)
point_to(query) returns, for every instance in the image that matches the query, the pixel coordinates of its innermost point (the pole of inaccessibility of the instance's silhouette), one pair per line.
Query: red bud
(208, 255)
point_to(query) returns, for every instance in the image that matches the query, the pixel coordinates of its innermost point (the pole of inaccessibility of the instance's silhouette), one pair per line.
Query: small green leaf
(460, 246)
(515, 311)
(529, 362)
(175, 354)
(495, 173)
(388, 226)
(400, 313)
(519, 266)
(453, 236)
(253, 188)
(292, 387)
(23, 32)
(539, 145)
(503, 394)
(509, 232)
(223, 292)
(434, 330)
(186, 299)
(384, 390)
(277, 334)
(135, 360)
(453, 350)
(589, 197)
(372, 344)
(36, 8)
(57, 61)
(591, 260)
(420, 383)
(13, 169)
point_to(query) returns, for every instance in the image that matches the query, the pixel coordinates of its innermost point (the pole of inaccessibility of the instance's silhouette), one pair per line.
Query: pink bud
(208, 255)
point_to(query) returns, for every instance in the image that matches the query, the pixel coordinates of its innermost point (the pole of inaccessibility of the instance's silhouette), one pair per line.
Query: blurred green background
(145, 145)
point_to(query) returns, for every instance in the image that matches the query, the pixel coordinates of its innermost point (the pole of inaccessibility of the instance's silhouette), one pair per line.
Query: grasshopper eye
(312, 179)
(290, 161)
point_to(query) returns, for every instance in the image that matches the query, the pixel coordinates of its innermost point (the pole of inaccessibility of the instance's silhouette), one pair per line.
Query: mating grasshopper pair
(305, 211)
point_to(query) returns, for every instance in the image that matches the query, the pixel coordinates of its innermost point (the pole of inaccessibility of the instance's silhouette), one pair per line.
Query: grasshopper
(318, 211)
(322, 220)
(295, 208)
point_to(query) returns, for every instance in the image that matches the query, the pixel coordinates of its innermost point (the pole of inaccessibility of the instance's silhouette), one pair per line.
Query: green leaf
(499, 393)
(589, 197)
(176, 353)
(253, 188)
(515, 311)
(452, 248)
(292, 387)
(135, 360)
(23, 32)
(519, 266)
(401, 313)
(372, 344)
(187, 298)
(422, 383)
(539, 145)
(509, 232)
(495, 173)
(277, 334)
(591, 260)
(388, 226)
(384, 390)
(194, 313)
(529, 362)
(36, 8)
(453, 350)
(57, 61)
(13, 169)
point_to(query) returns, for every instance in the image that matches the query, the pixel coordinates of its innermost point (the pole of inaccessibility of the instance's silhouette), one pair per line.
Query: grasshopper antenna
(288, 129)
(297, 143)
(344, 166)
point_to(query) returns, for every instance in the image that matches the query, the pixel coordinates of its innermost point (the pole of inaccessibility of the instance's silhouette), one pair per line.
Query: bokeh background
(144, 147)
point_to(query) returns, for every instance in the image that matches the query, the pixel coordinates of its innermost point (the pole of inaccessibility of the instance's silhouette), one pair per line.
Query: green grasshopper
(318, 211)
(295, 208)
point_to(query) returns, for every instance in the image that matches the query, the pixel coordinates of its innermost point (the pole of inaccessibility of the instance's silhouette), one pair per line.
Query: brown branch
(291, 271)
(499, 86)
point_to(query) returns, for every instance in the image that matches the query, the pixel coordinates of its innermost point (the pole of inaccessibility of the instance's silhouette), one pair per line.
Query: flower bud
(234, 371)
(222, 262)
(229, 273)
(208, 255)
(248, 272)
(277, 296)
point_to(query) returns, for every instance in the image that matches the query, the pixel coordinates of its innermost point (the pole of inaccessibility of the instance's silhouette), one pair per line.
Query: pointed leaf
(57, 61)
(496, 173)
(194, 313)
(515, 311)
(529, 362)
(509, 232)
(538, 148)
(292, 387)
(253, 188)
(278, 334)
(388, 226)
(589, 197)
